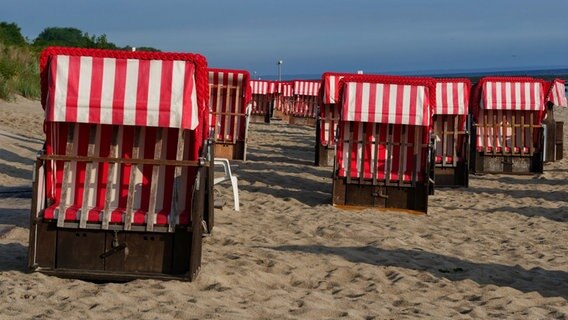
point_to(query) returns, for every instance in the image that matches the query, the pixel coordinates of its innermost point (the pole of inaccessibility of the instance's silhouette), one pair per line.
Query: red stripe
(503, 95)
(214, 93)
(395, 157)
(72, 89)
(96, 90)
(142, 93)
(354, 147)
(149, 147)
(52, 81)
(171, 153)
(119, 91)
(166, 93)
(399, 101)
(514, 101)
(187, 90)
(358, 100)
(381, 161)
(444, 97)
(414, 105)
(104, 151)
(373, 102)
(126, 153)
(386, 101)
(234, 99)
(82, 150)
(368, 150)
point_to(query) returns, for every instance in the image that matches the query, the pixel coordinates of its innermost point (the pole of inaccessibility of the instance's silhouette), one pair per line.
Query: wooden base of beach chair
(111, 253)
(277, 114)
(452, 176)
(116, 256)
(324, 156)
(285, 118)
(230, 151)
(488, 163)
(260, 118)
(380, 196)
(302, 121)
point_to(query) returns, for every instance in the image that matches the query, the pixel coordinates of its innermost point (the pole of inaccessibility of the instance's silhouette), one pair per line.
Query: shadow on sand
(549, 283)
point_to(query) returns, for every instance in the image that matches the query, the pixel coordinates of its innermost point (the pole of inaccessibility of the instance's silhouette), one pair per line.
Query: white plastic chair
(228, 176)
(247, 123)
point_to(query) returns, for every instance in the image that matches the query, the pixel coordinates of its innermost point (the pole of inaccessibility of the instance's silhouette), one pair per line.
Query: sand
(495, 250)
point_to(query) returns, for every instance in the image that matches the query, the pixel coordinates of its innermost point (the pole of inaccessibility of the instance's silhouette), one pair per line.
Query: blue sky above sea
(314, 36)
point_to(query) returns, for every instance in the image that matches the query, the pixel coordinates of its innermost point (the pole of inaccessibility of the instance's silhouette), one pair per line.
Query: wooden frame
(507, 155)
(104, 250)
(372, 192)
(325, 153)
(455, 141)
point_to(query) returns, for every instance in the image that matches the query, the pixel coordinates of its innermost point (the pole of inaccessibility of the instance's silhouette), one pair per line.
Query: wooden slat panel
(376, 144)
(112, 172)
(389, 158)
(531, 131)
(349, 150)
(65, 184)
(89, 174)
(174, 213)
(417, 145)
(132, 180)
(402, 153)
(363, 147)
(238, 107)
(445, 139)
(523, 137)
(151, 214)
(456, 142)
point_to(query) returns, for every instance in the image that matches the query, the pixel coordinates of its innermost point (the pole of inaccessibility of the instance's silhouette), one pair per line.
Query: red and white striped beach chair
(305, 105)
(384, 154)
(263, 99)
(326, 126)
(120, 189)
(284, 100)
(554, 130)
(230, 95)
(507, 114)
(452, 134)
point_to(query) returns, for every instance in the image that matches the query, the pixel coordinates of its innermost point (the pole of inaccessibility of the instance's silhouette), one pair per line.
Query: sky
(314, 36)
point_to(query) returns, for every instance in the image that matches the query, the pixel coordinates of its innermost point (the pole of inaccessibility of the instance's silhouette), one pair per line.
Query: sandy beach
(495, 250)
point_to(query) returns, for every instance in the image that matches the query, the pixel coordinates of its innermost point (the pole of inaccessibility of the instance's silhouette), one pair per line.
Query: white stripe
(62, 79)
(392, 104)
(130, 91)
(450, 98)
(406, 106)
(84, 89)
(379, 100)
(517, 98)
(420, 101)
(154, 89)
(332, 89)
(178, 71)
(538, 97)
(365, 102)
(508, 96)
(194, 119)
(439, 97)
(462, 98)
(107, 96)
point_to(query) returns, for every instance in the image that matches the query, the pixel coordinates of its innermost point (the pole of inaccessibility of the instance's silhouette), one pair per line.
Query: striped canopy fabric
(557, 94)
(330, 82)
(286, 89)
(307, 87)
(121, 87)
(230, 92)
(263, 87)
(452, 96)
(386, 100)
(512, 94)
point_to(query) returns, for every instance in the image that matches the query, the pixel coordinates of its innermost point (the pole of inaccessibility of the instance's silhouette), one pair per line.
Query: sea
(473, 75)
